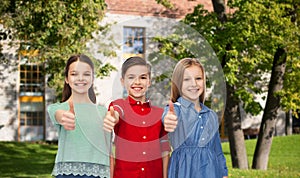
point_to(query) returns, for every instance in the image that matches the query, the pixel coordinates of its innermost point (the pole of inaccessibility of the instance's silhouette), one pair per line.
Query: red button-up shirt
(140, 140)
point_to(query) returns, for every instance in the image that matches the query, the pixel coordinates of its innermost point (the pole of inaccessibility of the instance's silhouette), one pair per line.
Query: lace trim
(75, 168)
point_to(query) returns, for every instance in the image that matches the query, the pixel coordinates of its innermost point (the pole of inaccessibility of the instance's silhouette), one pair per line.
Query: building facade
(25, 96)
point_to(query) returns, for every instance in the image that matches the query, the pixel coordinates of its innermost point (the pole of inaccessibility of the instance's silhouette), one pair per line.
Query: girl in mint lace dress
(82, 144)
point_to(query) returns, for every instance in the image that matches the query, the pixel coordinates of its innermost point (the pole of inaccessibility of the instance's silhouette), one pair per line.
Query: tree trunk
(267, 127)
(219, 9)
(288, 123)
(235, 133)
(232, 113)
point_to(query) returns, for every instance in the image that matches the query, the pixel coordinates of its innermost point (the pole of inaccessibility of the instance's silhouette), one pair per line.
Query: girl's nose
(80, 77)
(194, 83)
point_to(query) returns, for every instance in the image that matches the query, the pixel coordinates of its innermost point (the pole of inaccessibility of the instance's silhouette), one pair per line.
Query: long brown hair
(67, 91)
(177, 78)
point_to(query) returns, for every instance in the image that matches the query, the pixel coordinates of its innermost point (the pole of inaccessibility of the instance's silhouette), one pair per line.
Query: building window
(31, 80)
(133, 42)
(31, 111)
(31, 94)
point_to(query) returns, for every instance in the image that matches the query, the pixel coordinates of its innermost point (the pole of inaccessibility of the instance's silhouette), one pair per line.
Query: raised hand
(66, 118)
(170, 119)
(111, 119)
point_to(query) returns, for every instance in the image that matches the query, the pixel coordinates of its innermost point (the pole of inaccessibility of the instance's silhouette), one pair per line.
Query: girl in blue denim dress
(193, 127)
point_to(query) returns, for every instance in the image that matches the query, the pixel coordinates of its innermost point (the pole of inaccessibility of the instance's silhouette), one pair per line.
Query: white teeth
(193, 90)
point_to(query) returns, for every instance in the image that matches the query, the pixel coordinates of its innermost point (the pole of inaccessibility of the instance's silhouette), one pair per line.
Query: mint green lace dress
(85, 150)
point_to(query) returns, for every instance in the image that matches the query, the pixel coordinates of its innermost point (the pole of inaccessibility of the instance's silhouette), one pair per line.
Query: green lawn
(36, 160)
(18, 159)
(284, 159)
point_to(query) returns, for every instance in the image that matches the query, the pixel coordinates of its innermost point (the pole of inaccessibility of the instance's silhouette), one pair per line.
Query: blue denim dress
(197, 151)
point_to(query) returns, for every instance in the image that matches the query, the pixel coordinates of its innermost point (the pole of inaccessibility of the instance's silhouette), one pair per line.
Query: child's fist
(110, 120)
(170, 119)
(67, 118)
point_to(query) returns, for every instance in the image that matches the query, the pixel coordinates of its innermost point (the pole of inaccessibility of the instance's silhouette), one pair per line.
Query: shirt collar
(186, 103)
(134, 102)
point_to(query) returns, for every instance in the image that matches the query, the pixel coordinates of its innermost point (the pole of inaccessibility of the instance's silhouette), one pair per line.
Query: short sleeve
(164, 141)
(52, 108)
(117, 108)
(102, 110)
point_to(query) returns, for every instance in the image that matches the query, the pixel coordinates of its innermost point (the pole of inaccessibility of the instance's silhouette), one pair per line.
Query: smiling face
(80, 77)
(136, 81)
(192, 84)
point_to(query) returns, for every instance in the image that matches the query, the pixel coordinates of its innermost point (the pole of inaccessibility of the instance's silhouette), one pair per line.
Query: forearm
(112, 166)
(165, 159)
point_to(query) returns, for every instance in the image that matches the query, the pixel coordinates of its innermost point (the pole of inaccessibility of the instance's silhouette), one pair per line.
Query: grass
(284, 159)
(19, 159)
(36, 159)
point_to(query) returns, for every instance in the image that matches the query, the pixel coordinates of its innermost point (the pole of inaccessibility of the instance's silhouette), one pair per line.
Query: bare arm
(112, 165)
(165, 159)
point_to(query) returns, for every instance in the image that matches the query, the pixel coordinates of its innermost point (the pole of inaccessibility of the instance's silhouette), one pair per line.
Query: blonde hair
(177, 78)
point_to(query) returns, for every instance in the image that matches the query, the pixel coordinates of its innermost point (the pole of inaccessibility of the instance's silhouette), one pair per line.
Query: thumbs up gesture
(170, 119)
(66, 118)
(111, 119)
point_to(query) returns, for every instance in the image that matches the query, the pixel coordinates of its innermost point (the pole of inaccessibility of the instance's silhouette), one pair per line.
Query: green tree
(54, 30)
(256, 44)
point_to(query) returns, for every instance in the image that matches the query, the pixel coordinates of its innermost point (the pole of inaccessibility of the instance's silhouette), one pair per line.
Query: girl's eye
(186, 79)
(73, 74)
(87, 74)
(144, 77)
(199, 78)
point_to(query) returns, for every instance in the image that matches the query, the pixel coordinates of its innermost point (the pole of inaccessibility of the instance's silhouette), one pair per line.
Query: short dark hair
(133, 61)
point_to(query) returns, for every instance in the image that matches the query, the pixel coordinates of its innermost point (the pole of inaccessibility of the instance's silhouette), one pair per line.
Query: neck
(141, 99)
(198, 107)
(80, 98)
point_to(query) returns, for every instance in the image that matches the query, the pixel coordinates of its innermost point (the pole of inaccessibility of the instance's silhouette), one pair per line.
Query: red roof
(152, 8)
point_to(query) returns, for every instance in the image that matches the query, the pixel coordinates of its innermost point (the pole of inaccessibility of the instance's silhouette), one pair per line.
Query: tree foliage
(55, 30)
(254, 31)
(246, 45)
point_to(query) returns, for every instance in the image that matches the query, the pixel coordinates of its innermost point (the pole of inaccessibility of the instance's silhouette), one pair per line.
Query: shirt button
(200, 117)
(138, 102)
(201, 127)
(144, 137)
(203, 139)
(142, 109)
(142, 169)
(144, 122)
(144, 152)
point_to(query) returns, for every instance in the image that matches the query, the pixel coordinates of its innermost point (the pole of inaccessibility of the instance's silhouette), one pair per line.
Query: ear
(149, 83)
(66, 80)
(122, 81)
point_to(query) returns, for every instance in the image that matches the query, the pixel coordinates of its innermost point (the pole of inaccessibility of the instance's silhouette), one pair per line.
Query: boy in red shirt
(142, 147)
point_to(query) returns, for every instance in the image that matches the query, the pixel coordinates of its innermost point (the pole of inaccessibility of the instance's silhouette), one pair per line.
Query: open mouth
(137, 88)
(80, 84)
(194, 90)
